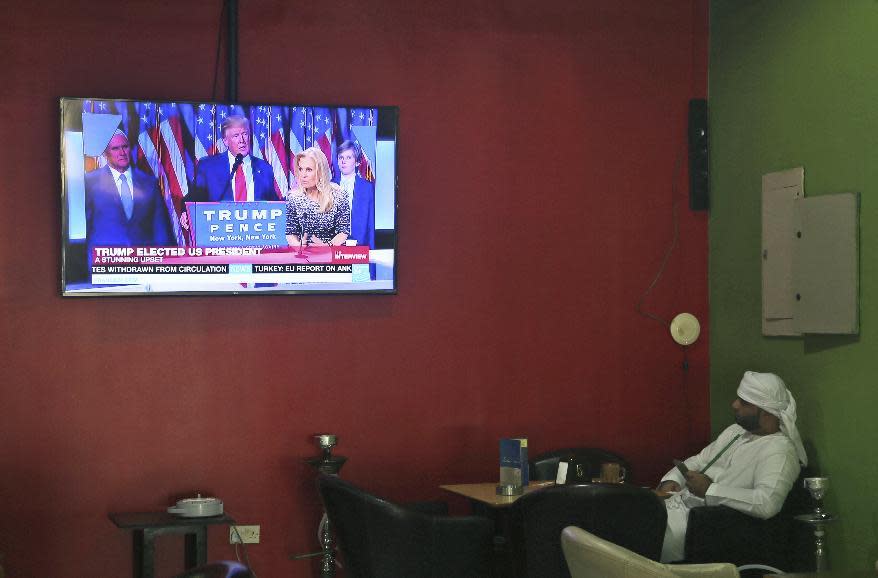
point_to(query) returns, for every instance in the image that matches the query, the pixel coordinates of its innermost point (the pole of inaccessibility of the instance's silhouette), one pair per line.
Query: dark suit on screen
(213, 182)
(105, 220)
(362, 211)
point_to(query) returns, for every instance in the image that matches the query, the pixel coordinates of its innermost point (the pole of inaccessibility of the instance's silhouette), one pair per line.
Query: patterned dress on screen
(303, 215)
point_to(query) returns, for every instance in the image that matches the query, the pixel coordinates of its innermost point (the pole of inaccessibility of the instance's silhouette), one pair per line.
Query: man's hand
(664, 489)
(697, 483)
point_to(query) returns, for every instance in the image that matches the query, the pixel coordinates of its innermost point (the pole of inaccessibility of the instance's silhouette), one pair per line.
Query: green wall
(795, 83)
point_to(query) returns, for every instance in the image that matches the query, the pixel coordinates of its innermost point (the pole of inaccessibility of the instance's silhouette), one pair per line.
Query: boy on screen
(361, 194)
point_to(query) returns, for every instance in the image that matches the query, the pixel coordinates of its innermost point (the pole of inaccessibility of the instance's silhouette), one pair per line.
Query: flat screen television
(162, 197)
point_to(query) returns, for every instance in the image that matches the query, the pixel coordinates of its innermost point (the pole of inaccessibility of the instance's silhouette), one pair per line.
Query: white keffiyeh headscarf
(767, 391)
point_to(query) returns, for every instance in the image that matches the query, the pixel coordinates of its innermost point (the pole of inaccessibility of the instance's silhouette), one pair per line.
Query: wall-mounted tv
(172, 197)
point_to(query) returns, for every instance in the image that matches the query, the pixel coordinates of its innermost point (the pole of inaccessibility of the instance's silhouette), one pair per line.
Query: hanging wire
(246, 560)
(219, 43)
(639, 307)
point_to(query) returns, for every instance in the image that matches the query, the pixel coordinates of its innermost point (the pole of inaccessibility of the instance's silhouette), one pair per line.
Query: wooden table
(486, 493)
(486, 502)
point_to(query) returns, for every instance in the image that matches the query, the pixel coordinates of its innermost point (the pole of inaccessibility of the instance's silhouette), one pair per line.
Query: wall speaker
(699, 156)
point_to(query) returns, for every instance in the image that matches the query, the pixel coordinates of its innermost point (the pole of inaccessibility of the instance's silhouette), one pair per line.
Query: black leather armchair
(379, 539)
(545, 465)
(218, 570)
(721, 534)
(629, 516)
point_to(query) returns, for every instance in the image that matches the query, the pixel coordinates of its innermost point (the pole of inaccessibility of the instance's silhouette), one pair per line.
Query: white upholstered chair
(591, 557)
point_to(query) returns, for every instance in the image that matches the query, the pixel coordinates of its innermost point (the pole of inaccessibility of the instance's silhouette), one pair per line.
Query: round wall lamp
(685, 329)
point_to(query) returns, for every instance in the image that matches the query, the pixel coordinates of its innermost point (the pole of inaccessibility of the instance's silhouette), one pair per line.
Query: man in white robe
(750, 467)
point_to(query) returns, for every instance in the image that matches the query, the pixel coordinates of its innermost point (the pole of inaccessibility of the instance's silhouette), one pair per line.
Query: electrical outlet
(248, 534)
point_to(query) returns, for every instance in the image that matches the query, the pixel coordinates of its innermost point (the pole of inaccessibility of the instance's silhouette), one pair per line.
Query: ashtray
(509, 490)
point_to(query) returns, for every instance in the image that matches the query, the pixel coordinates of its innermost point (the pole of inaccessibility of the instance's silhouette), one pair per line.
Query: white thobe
(753, 476)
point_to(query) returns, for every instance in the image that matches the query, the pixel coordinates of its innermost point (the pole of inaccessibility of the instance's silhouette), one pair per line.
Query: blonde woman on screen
(318, 211)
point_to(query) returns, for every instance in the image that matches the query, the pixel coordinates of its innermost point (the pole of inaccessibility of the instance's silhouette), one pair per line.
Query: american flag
(267, 127)
(207, 128)
(206, 131)
(318, 132)
(173, 157)
(145, 155)
(145, 127)
(348, 118)
(298, 123)
(104, 107)
(139, 123)
(187, 114)
(310, 126)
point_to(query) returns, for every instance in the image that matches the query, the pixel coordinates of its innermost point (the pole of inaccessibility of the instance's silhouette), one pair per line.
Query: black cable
(246, 560)
(232, 50)
(219, 43)
(639, 307)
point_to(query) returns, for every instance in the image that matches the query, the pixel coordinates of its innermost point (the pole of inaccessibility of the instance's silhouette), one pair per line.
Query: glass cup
(612, 473)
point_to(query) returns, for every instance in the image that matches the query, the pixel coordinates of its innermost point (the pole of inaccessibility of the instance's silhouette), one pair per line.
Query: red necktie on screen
(240, 185)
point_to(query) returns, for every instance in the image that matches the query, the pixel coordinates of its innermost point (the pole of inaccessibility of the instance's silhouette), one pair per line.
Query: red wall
(535, 204)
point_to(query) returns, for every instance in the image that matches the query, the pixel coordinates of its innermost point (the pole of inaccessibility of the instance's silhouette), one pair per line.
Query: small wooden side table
(146, 526)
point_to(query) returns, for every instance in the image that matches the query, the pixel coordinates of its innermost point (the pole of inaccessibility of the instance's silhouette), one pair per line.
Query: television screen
(162, 197)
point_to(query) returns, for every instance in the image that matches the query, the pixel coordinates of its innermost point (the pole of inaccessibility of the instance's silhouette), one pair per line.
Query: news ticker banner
(230, 224)
(217, 265)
